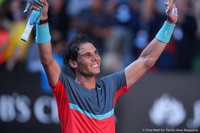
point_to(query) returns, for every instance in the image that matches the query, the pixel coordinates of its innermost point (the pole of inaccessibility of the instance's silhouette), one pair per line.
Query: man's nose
(94, 57)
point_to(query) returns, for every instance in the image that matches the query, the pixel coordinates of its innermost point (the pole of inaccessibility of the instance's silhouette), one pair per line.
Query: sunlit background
(165, 99)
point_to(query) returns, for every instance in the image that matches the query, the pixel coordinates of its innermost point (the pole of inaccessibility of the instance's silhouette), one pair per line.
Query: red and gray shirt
(82, 110)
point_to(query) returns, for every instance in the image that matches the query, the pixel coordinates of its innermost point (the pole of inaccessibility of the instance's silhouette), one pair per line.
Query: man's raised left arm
(151, 53)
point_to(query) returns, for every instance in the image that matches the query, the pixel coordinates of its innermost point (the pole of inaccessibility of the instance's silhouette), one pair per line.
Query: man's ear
(73, 64)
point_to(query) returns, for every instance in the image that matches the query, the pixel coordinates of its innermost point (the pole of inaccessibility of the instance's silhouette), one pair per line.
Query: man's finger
(171, 7)
(174, 5)
(166, 3)
(36, 5)
(46, 4)
(170, 2)
(43, 1)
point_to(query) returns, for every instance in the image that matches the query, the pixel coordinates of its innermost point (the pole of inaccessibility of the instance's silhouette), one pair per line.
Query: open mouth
(95, 65)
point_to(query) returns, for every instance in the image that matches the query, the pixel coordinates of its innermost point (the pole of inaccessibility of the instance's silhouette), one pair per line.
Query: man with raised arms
(86, 104)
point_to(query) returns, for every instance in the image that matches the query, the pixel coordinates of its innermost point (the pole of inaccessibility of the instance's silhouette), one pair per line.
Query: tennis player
(86, 104)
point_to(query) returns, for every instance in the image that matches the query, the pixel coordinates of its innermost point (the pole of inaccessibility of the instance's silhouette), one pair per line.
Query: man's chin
(96, 73)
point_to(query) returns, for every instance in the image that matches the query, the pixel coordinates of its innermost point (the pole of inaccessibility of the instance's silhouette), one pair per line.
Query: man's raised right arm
(43, 38)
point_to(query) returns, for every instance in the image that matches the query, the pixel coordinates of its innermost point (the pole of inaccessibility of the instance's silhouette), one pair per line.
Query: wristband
(43, 21)
(42, 34)
(165, 32)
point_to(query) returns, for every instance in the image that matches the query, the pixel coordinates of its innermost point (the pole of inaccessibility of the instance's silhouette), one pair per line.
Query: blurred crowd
(120, 29)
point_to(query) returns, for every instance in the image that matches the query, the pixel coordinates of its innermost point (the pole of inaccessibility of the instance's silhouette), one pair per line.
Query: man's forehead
(86, 47)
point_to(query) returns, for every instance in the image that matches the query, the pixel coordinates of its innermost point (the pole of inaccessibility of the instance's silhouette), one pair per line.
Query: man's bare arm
(146, 60)
(51, 67)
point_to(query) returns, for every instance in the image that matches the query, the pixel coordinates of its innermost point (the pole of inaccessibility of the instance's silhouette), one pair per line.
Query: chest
(97, 101)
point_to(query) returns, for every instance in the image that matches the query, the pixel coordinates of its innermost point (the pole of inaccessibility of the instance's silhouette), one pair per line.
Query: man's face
(88, 60)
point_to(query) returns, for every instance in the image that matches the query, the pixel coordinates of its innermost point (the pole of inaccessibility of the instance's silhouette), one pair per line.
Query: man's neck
(87, 82)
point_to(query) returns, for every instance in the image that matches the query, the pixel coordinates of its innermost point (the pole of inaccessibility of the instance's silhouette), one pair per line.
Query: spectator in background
(118, 51)
(58, 19)
(196, 59)
(33, 64)
(149, 22)
(95, 22)
(73, 9)
(184, 35)
(4, 35)
(16, 50)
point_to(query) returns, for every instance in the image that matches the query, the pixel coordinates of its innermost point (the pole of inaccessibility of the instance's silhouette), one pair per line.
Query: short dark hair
(72, 47)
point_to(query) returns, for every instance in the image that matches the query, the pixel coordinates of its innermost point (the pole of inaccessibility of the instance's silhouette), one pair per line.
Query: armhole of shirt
(53, 88)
